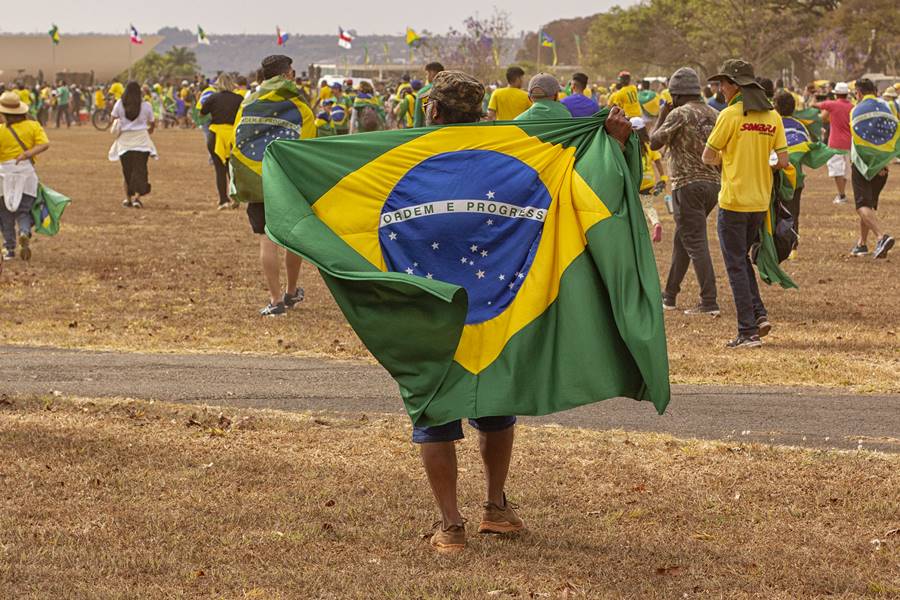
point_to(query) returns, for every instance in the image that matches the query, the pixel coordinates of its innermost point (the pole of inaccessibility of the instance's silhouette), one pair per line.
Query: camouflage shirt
(684, 134)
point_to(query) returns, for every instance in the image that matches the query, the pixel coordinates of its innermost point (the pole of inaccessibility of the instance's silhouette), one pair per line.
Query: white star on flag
(480, 274)
(484, 253)
(511, 285)
(435, 246)
(490, 195)
(415, 264)
(409, 271)
(490, 221)
(464, 260)
(471, 262)
(473, 248)
(520, 275)
(392, 235)
(429, 276)
(502, 277)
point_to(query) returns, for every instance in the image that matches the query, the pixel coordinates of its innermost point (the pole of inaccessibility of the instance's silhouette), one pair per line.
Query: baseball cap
(841, 88)
(547, 84)
(637, 123)
(737, 71)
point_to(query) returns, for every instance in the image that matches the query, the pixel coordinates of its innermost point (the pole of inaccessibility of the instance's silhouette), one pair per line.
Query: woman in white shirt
(132, 125)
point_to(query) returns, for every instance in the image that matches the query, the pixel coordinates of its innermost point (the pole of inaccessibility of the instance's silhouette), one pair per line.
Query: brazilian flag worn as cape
(812, 118)
(492, 269)
(803, 151)
(275, 111)
(875, 136)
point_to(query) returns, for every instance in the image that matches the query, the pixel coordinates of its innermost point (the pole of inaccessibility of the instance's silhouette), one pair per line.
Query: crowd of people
(714, 144)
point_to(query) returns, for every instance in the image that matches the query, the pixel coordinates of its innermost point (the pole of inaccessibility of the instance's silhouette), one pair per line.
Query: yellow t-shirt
(648, 157)
(100, 99)
(666, 95)
(746, 142)
(116, 89)
(30, 132)
(24, 96)
(627, 98)
(325, 93)
(509, 103)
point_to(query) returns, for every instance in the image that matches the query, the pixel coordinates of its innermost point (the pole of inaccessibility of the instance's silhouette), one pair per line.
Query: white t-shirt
(142, 123)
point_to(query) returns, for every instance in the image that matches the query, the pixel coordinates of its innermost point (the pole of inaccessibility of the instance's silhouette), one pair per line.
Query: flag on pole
(578, 48)
(345, 40)
(282, 37)
(54, 34)
(491, 269)
(413, 39)
(548, 42)
(135, 36)
(202, 38)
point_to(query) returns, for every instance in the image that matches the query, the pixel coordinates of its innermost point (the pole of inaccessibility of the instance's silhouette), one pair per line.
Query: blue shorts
(452, 431)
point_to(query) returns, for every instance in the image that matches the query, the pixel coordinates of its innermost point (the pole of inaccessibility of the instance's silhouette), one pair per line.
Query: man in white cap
(839, 138)
(543, 90)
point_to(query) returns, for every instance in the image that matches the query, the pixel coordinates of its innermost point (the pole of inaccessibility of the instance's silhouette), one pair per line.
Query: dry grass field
(180, 276)
(130, 499)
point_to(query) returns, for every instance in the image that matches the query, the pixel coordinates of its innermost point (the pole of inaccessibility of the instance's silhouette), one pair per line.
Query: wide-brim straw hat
(11, 104)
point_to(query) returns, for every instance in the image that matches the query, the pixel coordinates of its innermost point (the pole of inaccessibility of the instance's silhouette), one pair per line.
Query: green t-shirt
(62, 95)
(418, 110)
(545, 109)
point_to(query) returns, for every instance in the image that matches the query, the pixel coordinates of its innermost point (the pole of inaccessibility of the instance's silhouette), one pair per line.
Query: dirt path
(794, 416)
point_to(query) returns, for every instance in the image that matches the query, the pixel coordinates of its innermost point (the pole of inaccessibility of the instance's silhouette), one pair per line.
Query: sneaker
(136, 203)
(9, 255)
(859, 250)
(669, 305)
(793, 254)
(839, 199)
(764, 325)
(291, 300)
(703, 310)
(744, 341)
(496, 519)
(273, 310)
(126, 202)
(224, 205)
(884, 244)
(25, 247)
(451, 538)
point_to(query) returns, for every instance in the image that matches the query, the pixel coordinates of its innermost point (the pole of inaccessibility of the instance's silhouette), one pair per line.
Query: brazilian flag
(803, 151)
(274, 112)
(491, 268)
(767, 262)
(47, 210)
(875, 135)
(812, 119)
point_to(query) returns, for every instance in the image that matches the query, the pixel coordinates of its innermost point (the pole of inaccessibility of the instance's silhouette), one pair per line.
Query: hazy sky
(294, 16)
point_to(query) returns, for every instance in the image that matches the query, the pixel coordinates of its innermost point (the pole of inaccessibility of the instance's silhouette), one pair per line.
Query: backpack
(783, 234)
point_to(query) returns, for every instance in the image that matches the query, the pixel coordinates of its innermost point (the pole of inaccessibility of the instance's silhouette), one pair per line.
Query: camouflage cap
(457, 90)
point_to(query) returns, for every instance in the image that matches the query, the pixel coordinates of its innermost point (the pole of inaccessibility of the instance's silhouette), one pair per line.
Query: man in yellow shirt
(626, 96)
(744, 138)
(508, 103)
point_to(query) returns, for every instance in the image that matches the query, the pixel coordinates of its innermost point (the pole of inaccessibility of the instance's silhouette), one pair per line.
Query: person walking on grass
(867, 190)
(222, 107)
(839, 137)
(457, 98)
(63, 104)
(683, 127)
(133, 124)
(745, 136)
(21, 139)
(273, 111)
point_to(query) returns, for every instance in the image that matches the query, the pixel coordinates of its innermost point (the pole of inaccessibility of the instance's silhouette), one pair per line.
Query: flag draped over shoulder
(875, 136)
(767, 263)
(275, 111)
(492, 269)
(812, 119)
(803, 151)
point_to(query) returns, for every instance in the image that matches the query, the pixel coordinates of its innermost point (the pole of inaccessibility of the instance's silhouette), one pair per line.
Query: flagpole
(130, 72)
(539, 43)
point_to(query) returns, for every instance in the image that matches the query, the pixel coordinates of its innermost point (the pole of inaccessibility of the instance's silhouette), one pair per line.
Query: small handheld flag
(345, 40)
(546, 40)
(202, 38)
(135, 36)
(282, 37)
(54, 34)
(413, 39)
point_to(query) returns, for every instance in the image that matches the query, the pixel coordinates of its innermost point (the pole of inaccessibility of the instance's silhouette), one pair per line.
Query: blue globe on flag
(264, 122)
(876, 124)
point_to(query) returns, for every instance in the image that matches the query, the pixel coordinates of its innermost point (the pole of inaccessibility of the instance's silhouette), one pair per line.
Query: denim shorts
(452, 431)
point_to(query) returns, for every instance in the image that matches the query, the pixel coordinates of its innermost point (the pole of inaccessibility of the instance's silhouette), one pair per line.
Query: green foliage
(178, 63)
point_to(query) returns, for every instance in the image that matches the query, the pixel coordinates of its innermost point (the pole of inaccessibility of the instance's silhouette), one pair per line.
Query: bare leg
(292, 264)
(439, 459)
(496, 452)
(268, 256)
(868, 221)
(841, 183)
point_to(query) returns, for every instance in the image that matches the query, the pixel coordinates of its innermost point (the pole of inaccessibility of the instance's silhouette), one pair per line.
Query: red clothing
(839, 113)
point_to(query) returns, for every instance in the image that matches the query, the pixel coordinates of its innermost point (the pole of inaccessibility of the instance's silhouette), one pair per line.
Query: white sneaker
(839, 199)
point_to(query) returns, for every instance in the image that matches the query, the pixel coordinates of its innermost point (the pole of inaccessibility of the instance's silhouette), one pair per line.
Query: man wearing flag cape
(493, 269)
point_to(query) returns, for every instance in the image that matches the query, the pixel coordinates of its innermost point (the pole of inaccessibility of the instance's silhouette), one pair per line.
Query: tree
(178, 62)
(182, 62)
(477, 48)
